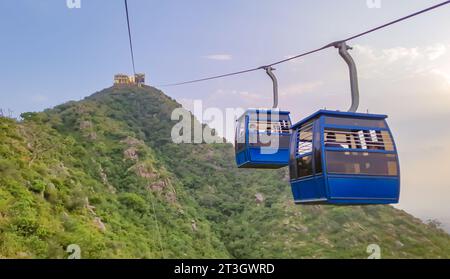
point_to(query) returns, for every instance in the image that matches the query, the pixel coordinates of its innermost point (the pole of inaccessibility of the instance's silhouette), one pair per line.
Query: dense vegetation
(104, 174)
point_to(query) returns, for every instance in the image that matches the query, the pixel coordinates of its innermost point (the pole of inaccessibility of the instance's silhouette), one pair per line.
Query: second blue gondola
(262, 139)
(262, 135)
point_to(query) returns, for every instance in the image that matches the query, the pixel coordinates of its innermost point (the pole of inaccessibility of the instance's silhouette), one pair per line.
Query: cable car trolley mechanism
(262, 135)
(344, 157)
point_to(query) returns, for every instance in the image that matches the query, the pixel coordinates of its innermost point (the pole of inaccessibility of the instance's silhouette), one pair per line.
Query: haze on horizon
(51, 54)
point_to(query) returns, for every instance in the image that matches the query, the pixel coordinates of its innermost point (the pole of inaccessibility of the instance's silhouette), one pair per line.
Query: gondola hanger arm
(269, 70)
(354, 87)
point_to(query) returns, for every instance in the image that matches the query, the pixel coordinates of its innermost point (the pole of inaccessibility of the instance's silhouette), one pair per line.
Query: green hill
(104, 174)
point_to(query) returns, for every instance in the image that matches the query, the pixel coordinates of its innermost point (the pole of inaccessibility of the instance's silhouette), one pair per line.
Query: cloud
(393, 63)
(391, 55)
(442, 74)
(219, 57)
(398, 53)
(436, 51)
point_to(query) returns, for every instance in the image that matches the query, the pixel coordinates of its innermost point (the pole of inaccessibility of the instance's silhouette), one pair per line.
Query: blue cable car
(344, 158)
(262, 139)
(262, 135)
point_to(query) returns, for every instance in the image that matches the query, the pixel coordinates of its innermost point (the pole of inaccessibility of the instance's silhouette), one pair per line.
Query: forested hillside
(104, 174)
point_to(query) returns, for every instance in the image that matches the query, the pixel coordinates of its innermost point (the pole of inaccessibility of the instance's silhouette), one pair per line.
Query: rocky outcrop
(99, 224)
(131, 154)
(145, 171)
(259, 198)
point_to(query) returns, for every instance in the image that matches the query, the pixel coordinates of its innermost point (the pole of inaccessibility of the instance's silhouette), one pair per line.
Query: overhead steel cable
(333, 44)
(213, 77)
(398, 20)
(129, 36)
(134, 72)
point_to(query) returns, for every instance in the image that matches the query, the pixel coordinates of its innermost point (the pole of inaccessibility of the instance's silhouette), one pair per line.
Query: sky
(50, 54)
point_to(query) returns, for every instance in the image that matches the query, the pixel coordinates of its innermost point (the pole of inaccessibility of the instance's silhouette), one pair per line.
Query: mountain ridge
(104, 174)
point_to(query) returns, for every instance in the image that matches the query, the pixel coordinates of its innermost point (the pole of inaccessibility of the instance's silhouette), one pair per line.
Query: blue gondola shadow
(344, 158)
(256, 131)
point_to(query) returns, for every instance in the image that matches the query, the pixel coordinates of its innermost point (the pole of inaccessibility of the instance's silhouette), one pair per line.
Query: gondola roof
(339, 114)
